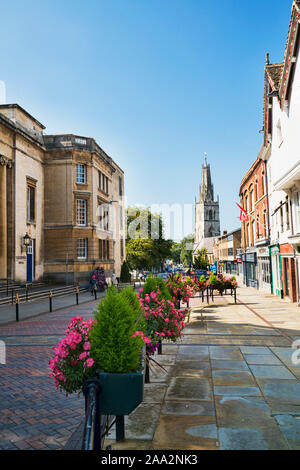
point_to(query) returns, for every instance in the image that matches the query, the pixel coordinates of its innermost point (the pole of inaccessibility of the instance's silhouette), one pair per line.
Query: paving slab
(262, 359)
(192, 369)
(192, 353)
(229, 353)
(271, 372)
(189, 389)
(233, 377)
(206, 408)
(229, 365)
(236, 391)
(184, 433)
(290, 427)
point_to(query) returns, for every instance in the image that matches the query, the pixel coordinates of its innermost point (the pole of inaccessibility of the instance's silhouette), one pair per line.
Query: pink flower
(89, 362)
(83, 355)
(87, 346)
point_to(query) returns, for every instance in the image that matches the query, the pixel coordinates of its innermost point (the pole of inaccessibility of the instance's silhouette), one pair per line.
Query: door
(30, 262)
(286, 277)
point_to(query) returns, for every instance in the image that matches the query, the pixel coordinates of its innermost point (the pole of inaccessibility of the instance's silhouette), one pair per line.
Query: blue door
(30, 262)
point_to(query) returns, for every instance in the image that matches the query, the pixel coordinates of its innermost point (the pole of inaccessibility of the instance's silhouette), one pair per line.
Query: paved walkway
(230, 383)
(37, 307)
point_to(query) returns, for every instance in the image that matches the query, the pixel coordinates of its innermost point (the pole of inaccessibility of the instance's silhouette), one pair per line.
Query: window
(253, 232)
(120, 186)
(230, 251)
(104, 250)
(122, 248)
(103, 182)
(30, 203)
(263, 182)
(103, 217)
(256, 190)
(252, 200)
(121, 218)
(81, 212)
(281, 217)
(257, 228)
(82, 244)
(81, 174)
(287, 213)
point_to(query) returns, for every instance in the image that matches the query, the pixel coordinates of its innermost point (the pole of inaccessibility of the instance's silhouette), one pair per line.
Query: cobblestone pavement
(33, 414)
(229, 384)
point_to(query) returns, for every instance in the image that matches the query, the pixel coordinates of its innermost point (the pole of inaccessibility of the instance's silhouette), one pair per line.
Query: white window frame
(82, 248)
(81, 212)
(80, 173)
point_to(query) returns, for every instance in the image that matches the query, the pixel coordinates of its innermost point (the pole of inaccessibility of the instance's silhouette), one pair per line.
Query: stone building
(226, 248)
(207, 215)
(22, 194)
(65, 195)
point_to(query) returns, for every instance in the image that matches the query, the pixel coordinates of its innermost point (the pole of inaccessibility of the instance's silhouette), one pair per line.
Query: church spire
(206, 187)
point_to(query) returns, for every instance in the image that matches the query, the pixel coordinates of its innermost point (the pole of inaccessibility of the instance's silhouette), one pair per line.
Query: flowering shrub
(163, 320)
(72, 363)
(179, 288)
(200, 284)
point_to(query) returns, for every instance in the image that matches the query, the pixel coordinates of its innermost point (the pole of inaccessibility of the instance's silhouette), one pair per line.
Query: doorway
(30, 261)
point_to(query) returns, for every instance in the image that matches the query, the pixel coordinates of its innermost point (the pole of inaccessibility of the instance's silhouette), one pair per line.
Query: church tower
(207, 213)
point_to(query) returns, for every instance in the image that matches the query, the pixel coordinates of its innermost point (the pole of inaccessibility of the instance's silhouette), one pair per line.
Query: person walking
(93, 283)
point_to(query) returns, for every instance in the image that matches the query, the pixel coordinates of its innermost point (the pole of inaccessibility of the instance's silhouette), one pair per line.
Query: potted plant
(117, 352)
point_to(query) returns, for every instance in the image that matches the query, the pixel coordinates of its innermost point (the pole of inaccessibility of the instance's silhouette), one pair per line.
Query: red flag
(244, 216)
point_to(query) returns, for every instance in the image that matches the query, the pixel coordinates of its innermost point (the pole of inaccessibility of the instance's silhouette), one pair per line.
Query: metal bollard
(235, 296)
(77, 295)
(50, 300)
(17, 307)
(147, 373)
(95, 291)
(207, 295)
(120, 428)
(12, 296)
(159, 350)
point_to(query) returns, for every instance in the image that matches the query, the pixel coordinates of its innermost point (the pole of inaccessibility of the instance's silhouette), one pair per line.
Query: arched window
(210, 215)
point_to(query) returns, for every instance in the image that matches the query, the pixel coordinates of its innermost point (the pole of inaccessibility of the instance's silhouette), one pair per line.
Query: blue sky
(156, 82)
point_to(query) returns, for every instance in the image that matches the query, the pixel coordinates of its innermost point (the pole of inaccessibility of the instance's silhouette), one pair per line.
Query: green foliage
(138, 314)
(153, 284)
(186, 252)
(175, 253)
(202, 279)
(112, 345)
(125, 273)
(201, 261)
(146, 247)
(212, 279)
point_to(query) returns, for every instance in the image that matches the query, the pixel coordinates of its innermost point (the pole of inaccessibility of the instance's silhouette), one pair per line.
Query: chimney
(267, 59)
(224, 232)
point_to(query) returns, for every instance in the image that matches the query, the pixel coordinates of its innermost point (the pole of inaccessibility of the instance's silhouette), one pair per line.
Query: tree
(146, 246)
(125, 274)
(186, 253)
(201, 261)
(175, 252)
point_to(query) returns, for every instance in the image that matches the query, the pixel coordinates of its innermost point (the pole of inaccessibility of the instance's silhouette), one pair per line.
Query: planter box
(121, 393)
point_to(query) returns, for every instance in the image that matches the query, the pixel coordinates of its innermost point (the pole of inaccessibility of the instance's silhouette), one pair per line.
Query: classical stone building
(207, 215)
(63, 194)
(21, 194)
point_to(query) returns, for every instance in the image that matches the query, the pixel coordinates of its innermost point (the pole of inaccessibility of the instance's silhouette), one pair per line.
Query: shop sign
(275, 250)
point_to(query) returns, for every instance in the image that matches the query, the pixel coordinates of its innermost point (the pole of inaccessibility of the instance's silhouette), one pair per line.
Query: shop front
(288, 268)
(264, 269)
(276, 271)
(250, 269)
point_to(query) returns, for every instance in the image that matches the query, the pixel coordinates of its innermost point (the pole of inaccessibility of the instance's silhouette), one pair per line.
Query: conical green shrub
(112, 345)
(125, 275)
(129, 295)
